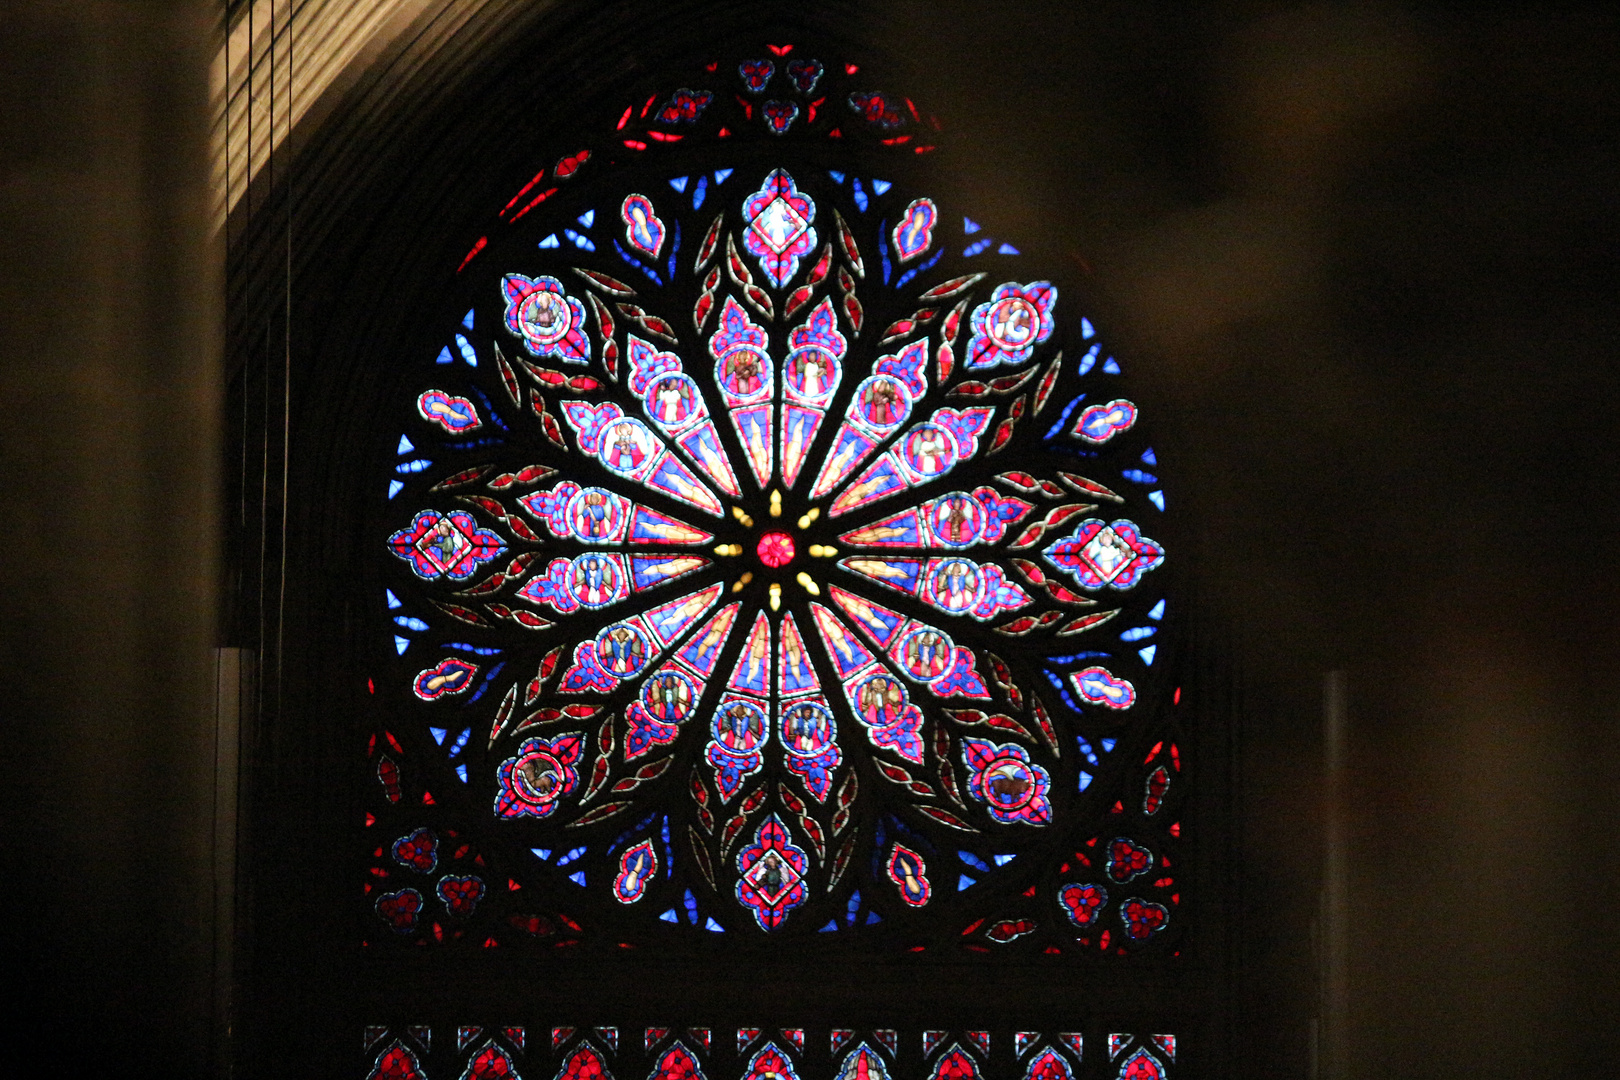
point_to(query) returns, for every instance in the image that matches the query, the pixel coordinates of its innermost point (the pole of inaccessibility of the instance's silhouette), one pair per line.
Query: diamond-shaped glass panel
(772, 877)
(1108, 554)
(778, 225)
(444, 545)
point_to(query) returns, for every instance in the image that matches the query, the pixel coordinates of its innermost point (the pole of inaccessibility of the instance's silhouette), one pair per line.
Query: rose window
(773, 553)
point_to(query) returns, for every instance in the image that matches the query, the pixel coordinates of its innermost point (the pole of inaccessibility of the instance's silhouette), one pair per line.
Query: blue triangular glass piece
(467, 319)
(838, 176)
(461, 771)
(588, 218)
(444, 356)
(578, 878)
(405, 445)
(1108, 745)
(720, 175)
(831, 925)
(712, 925)
(394, 488)
(401, 644)
(669, 916)
(541, 853)
(969, 226)
(1156, 498)
(1111, 366)
(872, 917)
(551, 241)
(438, 734)
(1006, 249)
(1147, 654)
(880, 186)
(679, 183)
(1085, 780)
(393, 601)
(1158, 611)
(1003, 860)
(1086, 330)
(964, 882)
(1149, 457)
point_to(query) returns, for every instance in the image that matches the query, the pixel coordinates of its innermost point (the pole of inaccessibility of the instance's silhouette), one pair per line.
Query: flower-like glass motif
(781, 611)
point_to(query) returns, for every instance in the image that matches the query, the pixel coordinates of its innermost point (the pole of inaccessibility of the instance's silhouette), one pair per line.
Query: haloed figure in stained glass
(547, 314)
(806, 729)
(956, 584)
(742, 727)
(675, 400)
(881, 403)
(808, 370)
(742, 371)
(594, 580)
(670, 697)
(926, 654)
(881, 698)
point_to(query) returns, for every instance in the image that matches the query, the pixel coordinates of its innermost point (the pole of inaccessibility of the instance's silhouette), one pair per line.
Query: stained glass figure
(771, 539)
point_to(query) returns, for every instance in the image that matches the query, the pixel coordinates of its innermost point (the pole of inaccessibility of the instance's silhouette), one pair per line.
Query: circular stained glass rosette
(784, 533)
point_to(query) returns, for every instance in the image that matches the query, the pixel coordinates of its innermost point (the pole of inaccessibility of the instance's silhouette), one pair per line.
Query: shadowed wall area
(1360, 258)
(110, 356)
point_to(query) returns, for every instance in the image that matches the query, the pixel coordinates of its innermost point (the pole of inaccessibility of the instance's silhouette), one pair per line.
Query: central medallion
(775, 549)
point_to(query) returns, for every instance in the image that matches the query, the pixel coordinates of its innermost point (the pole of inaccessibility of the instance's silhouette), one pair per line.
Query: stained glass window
(772, 559)
(694, 1053)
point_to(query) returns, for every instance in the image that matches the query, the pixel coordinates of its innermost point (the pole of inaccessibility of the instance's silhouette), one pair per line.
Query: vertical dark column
(109, 345)
(1333, 927)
